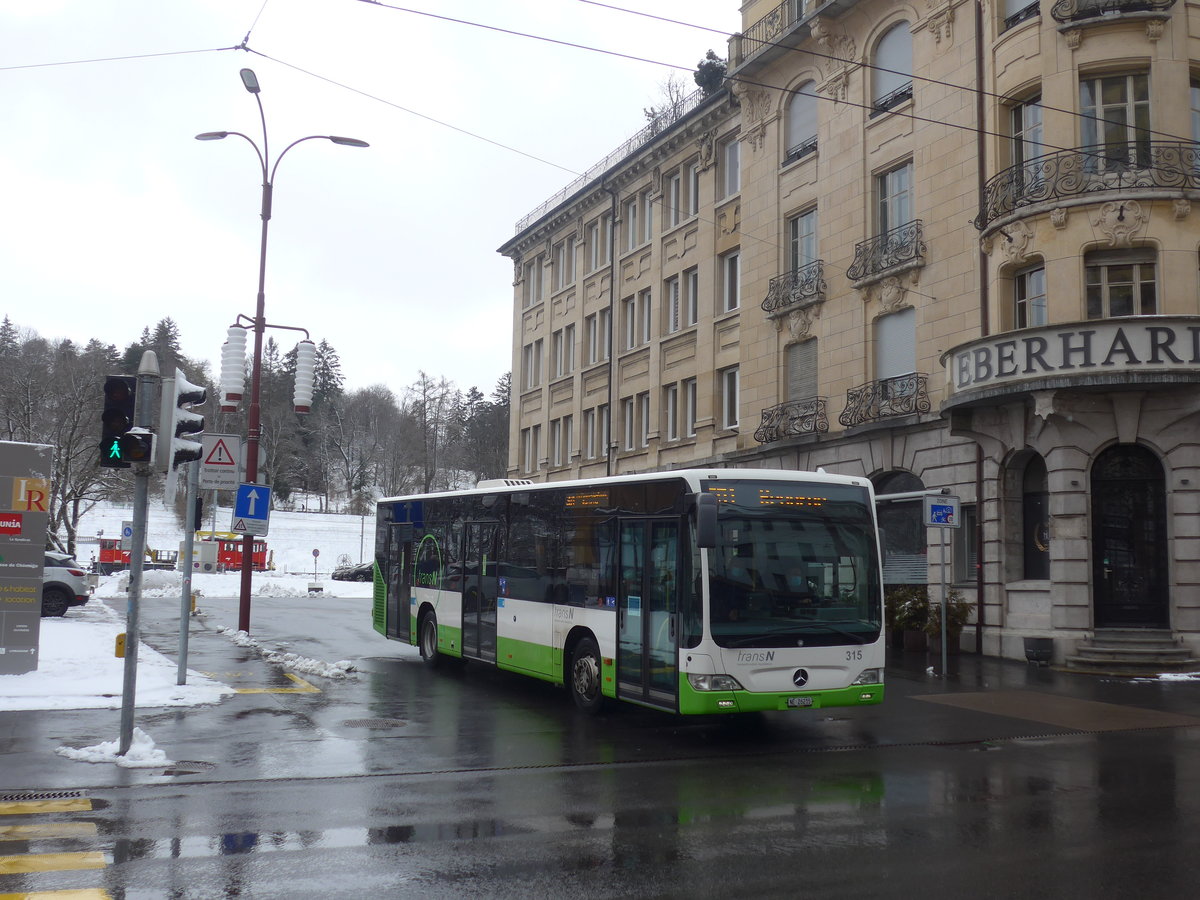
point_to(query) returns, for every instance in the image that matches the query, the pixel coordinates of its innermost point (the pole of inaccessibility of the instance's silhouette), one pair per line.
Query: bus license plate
(796, 702)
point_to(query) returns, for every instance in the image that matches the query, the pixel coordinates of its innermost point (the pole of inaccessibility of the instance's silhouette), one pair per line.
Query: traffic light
(179, 426)
(137, 446)
(120, 396)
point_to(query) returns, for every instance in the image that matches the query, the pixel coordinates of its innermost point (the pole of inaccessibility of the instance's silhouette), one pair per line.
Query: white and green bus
(694, 591)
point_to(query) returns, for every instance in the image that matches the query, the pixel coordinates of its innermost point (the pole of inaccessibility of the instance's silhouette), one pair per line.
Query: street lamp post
(253, 423)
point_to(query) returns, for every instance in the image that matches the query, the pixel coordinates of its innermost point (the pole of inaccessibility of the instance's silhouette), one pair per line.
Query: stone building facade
(946, 245)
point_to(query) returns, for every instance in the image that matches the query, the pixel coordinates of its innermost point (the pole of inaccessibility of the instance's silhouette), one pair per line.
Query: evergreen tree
(8, 339)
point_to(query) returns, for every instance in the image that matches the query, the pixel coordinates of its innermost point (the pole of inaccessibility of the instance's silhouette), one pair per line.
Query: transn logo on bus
(756, 656)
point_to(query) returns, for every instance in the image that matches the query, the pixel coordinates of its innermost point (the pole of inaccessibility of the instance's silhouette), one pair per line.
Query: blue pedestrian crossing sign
(251, 509)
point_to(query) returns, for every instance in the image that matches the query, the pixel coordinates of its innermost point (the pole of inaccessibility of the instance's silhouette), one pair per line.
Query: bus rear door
(399, 594)
(647, 601)
(480, 591)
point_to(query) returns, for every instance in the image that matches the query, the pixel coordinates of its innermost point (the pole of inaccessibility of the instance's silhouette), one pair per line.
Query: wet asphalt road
(1001, 780)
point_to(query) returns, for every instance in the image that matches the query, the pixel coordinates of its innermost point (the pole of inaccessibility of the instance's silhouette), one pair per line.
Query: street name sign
(251, 509)
(219, 462)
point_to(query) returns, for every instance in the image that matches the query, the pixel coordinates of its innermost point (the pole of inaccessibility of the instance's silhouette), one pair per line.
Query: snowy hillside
(292, 536)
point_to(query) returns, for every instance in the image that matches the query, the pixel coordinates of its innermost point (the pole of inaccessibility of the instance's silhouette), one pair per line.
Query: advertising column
(24, 506)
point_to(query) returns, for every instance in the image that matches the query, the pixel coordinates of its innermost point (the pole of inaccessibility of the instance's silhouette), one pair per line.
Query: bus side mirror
(706, 521)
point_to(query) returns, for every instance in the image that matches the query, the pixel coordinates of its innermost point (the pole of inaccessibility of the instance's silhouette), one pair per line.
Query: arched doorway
(1129, 539)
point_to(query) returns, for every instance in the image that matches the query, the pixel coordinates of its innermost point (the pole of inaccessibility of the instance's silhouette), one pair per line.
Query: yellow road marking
(86, 894)
(25, 807)
(50, 862)
(48, 830)
(305, 688)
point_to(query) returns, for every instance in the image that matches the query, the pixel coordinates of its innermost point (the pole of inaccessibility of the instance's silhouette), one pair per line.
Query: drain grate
(374, 723)
(24, 796)
(189, 767)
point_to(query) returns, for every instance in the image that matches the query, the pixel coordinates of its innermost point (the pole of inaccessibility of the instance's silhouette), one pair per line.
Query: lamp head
(212, 136)
(348, 142)
(250, 80)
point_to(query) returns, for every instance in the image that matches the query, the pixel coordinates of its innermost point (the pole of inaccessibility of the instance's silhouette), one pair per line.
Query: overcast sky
(115, 217)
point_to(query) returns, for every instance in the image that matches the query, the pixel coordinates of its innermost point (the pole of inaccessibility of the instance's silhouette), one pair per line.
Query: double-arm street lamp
(253, 425)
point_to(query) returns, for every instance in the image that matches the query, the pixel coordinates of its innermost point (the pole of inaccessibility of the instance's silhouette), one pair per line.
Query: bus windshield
(795, 565)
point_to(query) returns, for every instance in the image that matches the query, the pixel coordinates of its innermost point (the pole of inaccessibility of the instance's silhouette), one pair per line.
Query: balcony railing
(902, 246)
(1136, 166)
(800, 286)
(769, 29)
(1077, 10)
(901, 395)
(792, 419)
(1033, 10)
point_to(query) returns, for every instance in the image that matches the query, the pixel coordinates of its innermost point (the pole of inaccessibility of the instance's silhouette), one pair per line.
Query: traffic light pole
(189, 537)
(148, 378)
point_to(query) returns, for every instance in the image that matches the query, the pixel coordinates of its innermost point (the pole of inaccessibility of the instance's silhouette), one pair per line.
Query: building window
(1116, 121)
(891, 77)
(729, 167)
(534, 291)
(802, 240)
(966, 546)
(599, 243)
(556, 443)
(531, 363)
(599, 338)
(633, 230)
(692, 172)
(1121, 283)
(896, 344)
(627, 423)
(643, 411)
(894, 191)
(802, 370)
(1029, 298)
(1035, 519)
(1195, 94)
(564, 263)
(689, 407)
(691, 297)
(802, 122)
(1017, 11)
(529, 448)
(671, 411)
(673, 199)
(673, 301)
(589, 434)
(603, 422)
(728, 379)
(629, 323)
(644, 310)
(730, 290)
(1025, 123)
(562, 346)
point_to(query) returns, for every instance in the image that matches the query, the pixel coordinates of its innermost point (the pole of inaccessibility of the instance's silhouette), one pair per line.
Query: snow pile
(78, 669)
(142, 753)
(340, 669)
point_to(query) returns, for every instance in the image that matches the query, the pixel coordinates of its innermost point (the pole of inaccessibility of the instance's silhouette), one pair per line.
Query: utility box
(204, 556)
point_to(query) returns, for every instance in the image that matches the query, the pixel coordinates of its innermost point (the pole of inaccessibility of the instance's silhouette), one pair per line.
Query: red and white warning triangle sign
(219, 455)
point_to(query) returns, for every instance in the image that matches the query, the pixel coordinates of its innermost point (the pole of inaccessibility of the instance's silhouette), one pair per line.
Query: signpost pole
(945, 588)
(189, 539)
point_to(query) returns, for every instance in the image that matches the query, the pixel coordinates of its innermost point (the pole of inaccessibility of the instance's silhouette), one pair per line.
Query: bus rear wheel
(428, 641)
(585, 676)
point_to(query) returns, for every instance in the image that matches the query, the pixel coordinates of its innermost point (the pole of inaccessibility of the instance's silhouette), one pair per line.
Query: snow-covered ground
(78, 668)
(291, 537)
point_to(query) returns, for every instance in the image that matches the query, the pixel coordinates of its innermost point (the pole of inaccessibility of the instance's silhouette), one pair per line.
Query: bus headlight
(713, 683)
(869, 676)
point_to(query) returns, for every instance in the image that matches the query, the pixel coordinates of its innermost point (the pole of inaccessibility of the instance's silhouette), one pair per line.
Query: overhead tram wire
(874, 68)
(103, 59)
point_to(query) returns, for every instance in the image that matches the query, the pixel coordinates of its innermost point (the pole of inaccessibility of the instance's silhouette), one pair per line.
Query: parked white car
(64, 584)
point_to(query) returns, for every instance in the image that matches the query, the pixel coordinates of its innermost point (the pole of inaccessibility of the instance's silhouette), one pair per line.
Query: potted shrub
(958, 611)
(906, 609)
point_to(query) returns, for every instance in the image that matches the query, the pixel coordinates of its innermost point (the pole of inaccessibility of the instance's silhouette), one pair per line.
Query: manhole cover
(374, 723)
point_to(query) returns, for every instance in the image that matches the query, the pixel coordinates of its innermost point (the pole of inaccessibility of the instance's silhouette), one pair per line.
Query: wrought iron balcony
(1032, 11)
(800, 286)
(901, 247)
(902, 395)
(792, 419)
(1078, 10)
(1068, 174)
(768, 30)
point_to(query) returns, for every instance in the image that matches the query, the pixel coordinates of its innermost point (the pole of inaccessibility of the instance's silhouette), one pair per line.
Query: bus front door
(647, 604)
(399, 555)
(480, 591)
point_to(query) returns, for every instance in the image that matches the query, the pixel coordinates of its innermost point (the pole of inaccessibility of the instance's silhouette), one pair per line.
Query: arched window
(1035, 519)
(906, 554)
(891, 80)
(802, 122)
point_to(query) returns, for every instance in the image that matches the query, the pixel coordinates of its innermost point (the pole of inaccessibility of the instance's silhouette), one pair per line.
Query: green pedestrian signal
(120, 396)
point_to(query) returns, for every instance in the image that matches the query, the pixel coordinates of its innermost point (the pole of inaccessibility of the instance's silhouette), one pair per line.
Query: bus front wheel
(429, 641)
(585, 676)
